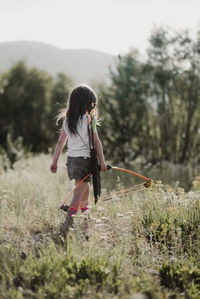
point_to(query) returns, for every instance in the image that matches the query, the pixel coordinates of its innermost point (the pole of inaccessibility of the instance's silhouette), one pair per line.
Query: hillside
(81, 65)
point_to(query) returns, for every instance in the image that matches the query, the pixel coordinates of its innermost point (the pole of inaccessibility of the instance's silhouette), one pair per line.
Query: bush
(182, 276)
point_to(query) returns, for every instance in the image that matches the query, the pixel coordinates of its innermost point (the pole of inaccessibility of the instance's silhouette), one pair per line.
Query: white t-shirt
(76, 146)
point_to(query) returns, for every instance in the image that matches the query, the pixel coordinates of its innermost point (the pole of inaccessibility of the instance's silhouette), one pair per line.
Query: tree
(59, 95)
(175, 92)
(25, 104)
(124, 108)
(151, 109)
(29, 102)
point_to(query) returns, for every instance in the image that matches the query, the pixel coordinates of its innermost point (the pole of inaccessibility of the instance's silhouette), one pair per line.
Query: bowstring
(120, 192)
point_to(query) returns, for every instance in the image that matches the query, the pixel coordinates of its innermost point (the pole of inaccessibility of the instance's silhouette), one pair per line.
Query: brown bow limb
(129, 171)
(133, 188)
(130, 189)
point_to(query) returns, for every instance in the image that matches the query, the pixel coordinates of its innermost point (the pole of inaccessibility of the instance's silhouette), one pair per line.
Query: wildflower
(196, 184)
(120, 215)
(96, 220)
(103, 238)
(170, 189)
(154, 224)
(180, 190)
(100, 208)
(159, 182)
(129, 213)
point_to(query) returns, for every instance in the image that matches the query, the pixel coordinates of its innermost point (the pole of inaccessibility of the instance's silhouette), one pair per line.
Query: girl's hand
(53, 167)
(103, 166)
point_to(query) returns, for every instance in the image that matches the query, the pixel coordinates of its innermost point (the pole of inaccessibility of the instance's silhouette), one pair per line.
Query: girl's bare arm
(58, 150)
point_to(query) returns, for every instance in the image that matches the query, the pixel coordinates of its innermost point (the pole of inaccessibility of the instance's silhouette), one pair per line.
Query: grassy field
(142, 245)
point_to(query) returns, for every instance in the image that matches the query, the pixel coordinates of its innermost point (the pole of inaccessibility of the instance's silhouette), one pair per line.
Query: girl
(75, 129)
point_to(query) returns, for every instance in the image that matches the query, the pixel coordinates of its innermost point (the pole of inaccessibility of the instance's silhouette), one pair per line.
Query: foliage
(124, 108)
(151, 109)
(59, 95)
(28, 99)
(14, 150)
(143, 244)
(182, 276)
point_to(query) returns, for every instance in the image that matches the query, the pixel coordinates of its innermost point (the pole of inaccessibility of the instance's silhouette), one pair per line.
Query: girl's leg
(77, 198)
(84, 201)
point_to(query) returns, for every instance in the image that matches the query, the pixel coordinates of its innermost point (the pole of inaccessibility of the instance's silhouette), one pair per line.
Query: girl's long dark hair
(80, 101)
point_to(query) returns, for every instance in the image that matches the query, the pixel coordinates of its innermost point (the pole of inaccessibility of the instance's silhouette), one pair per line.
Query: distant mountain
(81, 65)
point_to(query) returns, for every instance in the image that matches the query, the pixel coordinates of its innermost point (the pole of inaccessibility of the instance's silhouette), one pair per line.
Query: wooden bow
(130, 189)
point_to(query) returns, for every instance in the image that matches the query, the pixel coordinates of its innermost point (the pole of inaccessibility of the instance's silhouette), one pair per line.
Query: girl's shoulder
(82, 120)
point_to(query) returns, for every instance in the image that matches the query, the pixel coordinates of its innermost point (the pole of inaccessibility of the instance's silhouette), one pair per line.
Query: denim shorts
(78, 168)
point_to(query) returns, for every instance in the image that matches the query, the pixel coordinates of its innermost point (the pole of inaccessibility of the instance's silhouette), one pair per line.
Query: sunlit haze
(112, 26)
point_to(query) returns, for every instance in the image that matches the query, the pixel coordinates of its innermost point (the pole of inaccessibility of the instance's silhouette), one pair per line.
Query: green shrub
(184, 276)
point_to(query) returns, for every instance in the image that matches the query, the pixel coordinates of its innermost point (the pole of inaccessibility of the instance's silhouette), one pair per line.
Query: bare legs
(80, 198)
(84, 201)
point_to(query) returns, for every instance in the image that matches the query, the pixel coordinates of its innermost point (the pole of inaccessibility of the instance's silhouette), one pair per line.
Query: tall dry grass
(141, 245)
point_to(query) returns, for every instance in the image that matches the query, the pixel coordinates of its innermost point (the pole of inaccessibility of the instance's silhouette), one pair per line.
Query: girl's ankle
(72, 212)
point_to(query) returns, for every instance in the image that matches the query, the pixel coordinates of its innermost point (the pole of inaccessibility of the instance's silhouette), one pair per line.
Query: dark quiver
(95, 168)
(96, 179)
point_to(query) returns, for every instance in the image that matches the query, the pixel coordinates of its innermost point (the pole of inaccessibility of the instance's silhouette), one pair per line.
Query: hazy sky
(112, 26)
